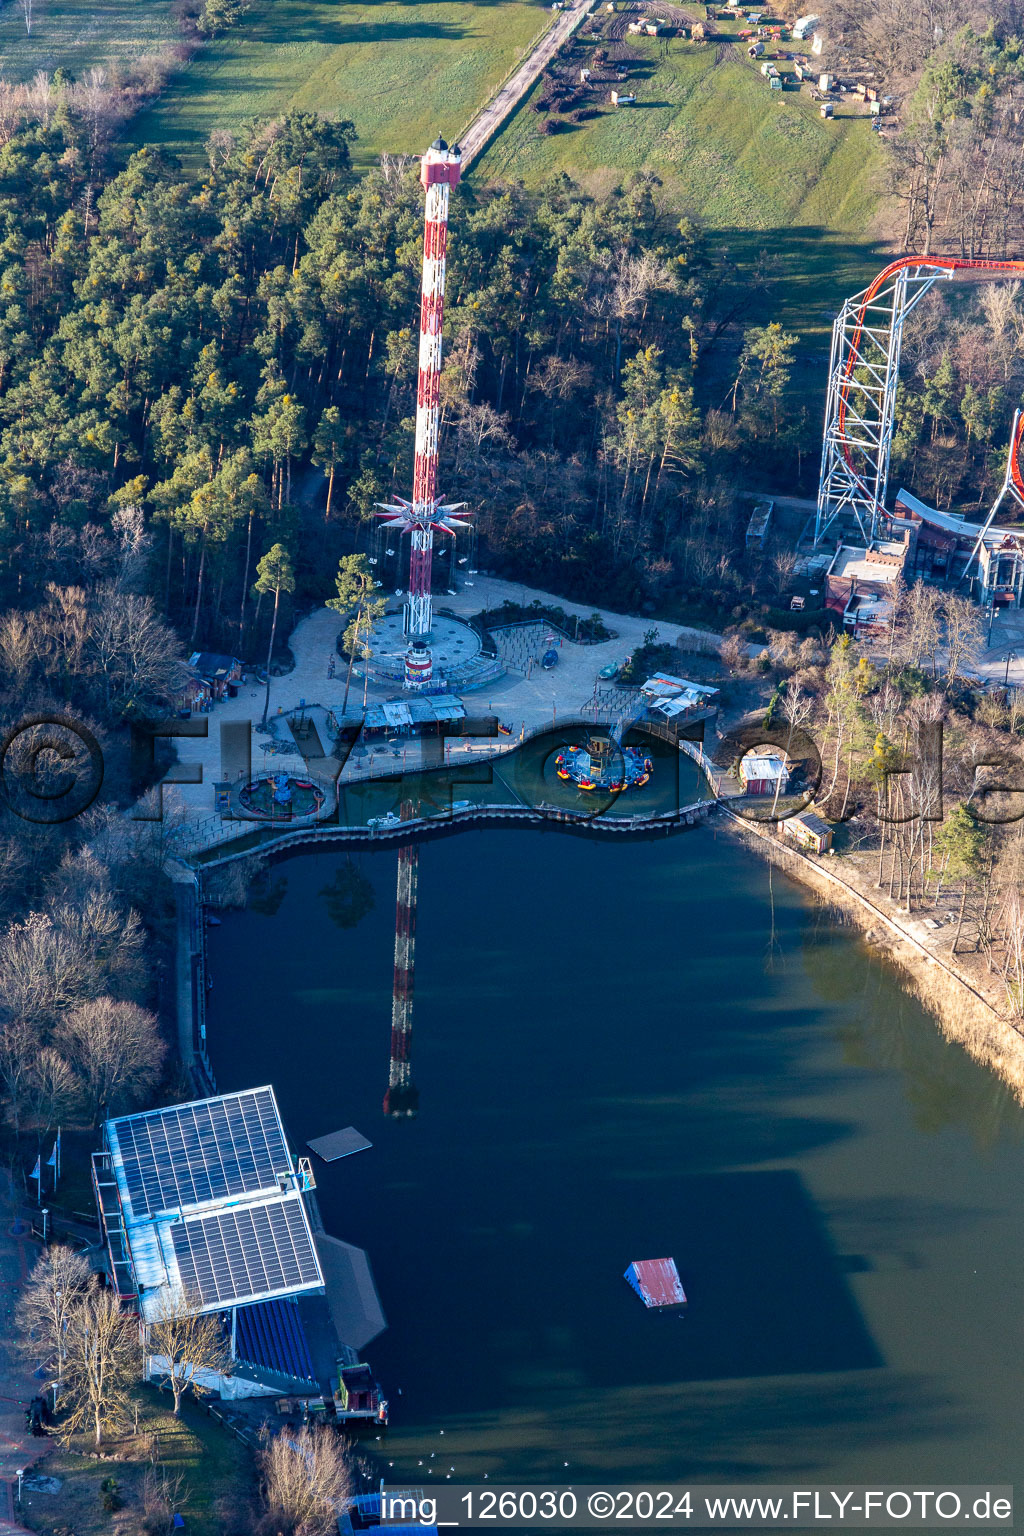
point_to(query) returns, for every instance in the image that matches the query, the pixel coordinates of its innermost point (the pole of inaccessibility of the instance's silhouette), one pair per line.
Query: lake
(635, 1050)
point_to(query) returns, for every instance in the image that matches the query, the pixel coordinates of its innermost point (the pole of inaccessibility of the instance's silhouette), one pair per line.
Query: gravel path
(487, 122)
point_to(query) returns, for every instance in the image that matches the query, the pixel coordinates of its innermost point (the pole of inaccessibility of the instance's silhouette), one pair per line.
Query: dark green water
(626, 1052)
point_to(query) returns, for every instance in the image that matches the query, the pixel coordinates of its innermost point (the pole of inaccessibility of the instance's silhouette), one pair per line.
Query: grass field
(80, 34)
(401, 72)
(216, 1471)
(761, 171)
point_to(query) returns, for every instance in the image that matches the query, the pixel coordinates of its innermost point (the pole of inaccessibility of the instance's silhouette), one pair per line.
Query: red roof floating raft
(656, 1282)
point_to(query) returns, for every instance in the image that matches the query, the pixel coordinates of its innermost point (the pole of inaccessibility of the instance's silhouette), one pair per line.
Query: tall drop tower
(440, 169)
(402, 1097)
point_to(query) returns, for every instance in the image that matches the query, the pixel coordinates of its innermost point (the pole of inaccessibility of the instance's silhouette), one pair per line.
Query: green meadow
(401, 72)
(762, 172)
(81, 34)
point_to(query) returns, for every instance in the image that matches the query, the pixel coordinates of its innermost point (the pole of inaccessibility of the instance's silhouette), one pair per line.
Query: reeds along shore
(962, 1014)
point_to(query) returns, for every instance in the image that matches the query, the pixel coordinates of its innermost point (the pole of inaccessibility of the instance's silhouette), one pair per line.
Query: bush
(799, 622)
(110, 1495)
(648, 659)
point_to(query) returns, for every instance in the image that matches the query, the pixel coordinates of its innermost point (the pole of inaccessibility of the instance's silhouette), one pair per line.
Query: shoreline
(963, 1015)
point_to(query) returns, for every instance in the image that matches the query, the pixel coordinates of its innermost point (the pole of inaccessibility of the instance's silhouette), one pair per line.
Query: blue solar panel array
(239, 1254)
(270, 1334)
(194, 1153)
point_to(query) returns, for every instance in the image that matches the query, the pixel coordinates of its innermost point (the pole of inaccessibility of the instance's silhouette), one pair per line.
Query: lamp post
(1010, 656)
(21, 1474)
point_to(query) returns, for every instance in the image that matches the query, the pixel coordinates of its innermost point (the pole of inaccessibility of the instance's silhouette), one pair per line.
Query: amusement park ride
(439, 172)
(426, 513)
(867, 339)
(864, 371)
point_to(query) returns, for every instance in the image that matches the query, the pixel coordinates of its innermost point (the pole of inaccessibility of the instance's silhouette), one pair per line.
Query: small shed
(220, 673)
(763, 774)
(827, 109)
(808, 830)
(757, 528)
(755, 50)
(824, 82)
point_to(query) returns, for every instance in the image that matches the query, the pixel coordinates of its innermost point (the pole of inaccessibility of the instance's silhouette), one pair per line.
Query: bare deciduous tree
(102, 1362)
(117, 1050)
(186, 1343)
(164, 1494)
(305, 1480)
(52, 1088)
(18, 1046)
(965, 635)
(60, 1280)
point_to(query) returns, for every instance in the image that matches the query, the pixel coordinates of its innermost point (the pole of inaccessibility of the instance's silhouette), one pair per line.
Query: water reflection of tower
(402, 1097)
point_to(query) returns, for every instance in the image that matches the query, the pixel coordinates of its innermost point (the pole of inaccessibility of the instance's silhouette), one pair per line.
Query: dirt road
(487, 122)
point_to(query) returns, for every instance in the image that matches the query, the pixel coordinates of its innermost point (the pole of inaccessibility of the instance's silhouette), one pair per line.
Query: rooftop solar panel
(193, 1153)
(253, 1251)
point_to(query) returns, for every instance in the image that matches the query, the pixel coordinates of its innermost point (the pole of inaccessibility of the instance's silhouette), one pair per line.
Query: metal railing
(544, 814)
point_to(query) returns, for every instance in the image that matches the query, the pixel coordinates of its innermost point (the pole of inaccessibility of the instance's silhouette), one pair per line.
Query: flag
(37, 1171)
(51, 1161)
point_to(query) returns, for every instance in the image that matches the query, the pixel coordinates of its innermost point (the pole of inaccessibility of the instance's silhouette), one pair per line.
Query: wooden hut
(808, 831)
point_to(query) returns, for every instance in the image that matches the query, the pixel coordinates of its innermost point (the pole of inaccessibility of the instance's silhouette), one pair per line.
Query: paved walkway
(18, 1448)
(523, 702)
(1003, 660)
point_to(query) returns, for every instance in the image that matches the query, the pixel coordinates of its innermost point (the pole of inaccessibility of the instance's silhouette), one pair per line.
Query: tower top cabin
(441, 164)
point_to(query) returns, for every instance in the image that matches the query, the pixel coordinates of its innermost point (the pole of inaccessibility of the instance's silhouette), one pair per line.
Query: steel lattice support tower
(402, 1097)
(440, 169)
(1012, 486)
(863, 374)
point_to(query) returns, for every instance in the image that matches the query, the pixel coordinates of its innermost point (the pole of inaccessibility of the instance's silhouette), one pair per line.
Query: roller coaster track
(867, 337)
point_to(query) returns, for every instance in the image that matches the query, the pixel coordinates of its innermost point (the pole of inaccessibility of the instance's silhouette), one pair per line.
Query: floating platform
(657, 1282)
(339, 1144)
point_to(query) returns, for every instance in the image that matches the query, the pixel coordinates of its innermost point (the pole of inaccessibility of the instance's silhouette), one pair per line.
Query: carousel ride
(604, 764)
(280, 797)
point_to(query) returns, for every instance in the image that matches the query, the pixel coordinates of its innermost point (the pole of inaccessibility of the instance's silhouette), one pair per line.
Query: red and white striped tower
(402, 1097)
(440, 169)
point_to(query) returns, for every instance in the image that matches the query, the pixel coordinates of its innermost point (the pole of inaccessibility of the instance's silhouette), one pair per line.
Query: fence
(421, 828)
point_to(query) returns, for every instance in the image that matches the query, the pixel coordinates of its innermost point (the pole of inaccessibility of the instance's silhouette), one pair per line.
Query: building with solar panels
(203, 1202)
